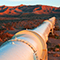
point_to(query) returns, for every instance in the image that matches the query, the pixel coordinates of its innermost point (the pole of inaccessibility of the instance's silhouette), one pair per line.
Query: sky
(55, 3)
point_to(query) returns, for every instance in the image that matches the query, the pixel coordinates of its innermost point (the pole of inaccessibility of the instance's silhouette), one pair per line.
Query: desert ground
(54, 43)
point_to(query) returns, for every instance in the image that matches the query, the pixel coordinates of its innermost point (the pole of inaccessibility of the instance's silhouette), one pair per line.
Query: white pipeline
(28, 44)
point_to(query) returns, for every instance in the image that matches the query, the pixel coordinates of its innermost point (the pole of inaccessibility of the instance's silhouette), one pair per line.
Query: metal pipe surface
(28, 44)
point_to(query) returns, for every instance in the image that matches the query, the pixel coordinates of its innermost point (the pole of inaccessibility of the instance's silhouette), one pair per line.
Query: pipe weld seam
(27, 43)
(49, 22)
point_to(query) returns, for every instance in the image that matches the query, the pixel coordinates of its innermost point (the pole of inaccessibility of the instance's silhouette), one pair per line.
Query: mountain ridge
(36, 9)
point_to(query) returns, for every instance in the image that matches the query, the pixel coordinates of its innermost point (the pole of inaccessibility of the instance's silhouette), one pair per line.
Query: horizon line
(31, 5)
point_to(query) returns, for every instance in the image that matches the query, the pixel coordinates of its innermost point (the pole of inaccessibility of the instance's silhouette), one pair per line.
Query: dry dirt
(54, 44)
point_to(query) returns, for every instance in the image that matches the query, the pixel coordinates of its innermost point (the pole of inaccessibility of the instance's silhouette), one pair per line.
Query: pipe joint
(27, 43)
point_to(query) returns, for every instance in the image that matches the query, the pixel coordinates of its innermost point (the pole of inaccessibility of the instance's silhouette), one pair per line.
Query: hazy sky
(30, 2)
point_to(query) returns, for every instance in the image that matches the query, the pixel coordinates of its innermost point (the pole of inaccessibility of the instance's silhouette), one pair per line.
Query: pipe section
(28, 44)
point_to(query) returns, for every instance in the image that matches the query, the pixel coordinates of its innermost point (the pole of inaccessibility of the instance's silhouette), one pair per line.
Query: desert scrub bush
(57, 37)
(57, 46)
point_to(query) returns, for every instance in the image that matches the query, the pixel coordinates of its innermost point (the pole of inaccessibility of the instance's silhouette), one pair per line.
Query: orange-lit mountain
(36, 9)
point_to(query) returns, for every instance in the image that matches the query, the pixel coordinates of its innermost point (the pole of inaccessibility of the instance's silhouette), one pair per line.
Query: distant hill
(36, 9)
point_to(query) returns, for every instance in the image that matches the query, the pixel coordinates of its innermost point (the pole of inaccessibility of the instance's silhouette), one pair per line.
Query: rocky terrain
(54, 43)
(34, 9)
(17, 18)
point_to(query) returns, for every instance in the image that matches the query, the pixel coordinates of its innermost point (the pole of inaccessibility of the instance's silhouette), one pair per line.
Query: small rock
(5, 39)
(11, 28)
(56, 55)
(1, 40)
(56, 49)
(52, 52)
(49, 52)
(59, 45)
